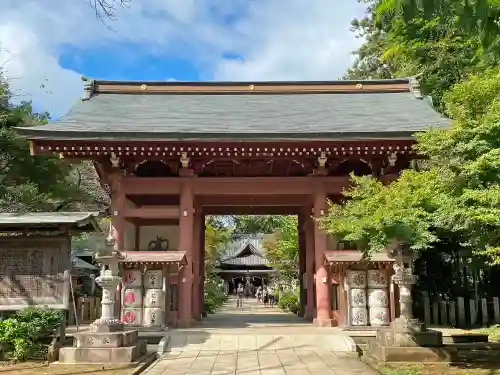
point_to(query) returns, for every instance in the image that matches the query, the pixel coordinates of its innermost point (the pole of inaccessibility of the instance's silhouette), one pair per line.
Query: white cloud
(277, 40)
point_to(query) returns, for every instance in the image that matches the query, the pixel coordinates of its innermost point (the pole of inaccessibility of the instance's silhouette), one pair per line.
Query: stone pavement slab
(282, 361)
(254, 340)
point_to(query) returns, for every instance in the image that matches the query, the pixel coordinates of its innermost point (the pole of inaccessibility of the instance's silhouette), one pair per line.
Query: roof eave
(41, 134)
(87, 223)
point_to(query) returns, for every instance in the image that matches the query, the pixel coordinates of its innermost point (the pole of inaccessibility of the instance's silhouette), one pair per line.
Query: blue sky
(45, 45)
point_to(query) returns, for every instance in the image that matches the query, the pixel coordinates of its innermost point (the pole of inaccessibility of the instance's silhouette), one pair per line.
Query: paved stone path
(257, 340)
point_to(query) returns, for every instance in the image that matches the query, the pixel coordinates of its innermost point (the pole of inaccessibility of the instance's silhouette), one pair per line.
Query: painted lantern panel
(132, 278)
(359, 316)
(357, 297)
(379, 316)
(132, 316)
(356, 279)
(153, 316)
(132, 297)
(154, 298)
(153, 279)
(377, 279)
(378, 298)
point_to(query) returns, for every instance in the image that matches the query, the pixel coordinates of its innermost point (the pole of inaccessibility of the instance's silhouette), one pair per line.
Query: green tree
(42, 182)
(282, 247)
(457, 193)
(251, 225)
(479, 17)
(375, 214)
(433, 45)
(469, 152)
(216, 239)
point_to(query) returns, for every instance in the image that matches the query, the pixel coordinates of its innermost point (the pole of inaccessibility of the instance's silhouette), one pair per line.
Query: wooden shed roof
(152, 257)
(80, 221)
(354, 256)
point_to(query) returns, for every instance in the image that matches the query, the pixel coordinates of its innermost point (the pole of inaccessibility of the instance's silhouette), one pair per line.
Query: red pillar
(186, 232)
(309, 235)
(201, 265)
(302, 262)
(196, 261)
(117, 211)
(323, 303)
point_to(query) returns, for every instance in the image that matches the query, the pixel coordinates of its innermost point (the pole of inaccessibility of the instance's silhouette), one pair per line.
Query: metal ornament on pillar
(108, 280)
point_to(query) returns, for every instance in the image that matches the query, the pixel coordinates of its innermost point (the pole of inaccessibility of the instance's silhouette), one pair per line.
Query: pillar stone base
(318, 322)
(308, 316)
(124, 354)
(197, 317)
(104, 347)
(186, 323)
(407, 340)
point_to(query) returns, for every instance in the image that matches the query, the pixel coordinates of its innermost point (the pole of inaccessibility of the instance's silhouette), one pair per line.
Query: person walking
(265, 296)
(259, 294)
(239, 295)
(271, 297)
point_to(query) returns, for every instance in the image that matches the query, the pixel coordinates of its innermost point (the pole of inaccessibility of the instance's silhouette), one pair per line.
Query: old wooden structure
(35, 261)
(244, 262)
(173, 152)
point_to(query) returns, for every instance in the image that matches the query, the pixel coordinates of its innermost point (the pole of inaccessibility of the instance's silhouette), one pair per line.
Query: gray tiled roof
(235, 116)
(40, 220)
(251, 260)
(231, 255)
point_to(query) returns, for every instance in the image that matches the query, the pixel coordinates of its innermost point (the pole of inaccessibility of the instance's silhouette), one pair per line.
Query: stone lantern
(405, 279)
(406, 339)
(108, 280)
(106, 341)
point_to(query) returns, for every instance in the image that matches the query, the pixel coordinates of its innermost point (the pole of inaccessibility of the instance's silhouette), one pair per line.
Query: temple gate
(173, 152)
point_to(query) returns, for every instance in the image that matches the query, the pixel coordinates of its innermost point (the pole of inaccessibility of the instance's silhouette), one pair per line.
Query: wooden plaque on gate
(34, 272)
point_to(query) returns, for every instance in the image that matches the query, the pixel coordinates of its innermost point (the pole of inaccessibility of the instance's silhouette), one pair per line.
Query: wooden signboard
(34, 271)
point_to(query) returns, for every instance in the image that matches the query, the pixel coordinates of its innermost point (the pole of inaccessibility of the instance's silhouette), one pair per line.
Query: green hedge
(214, 295)
(289, 302)
(23, 333)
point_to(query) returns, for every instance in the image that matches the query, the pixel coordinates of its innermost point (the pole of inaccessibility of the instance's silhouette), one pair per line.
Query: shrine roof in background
(244, 252)
(40, 221)
(163, 111)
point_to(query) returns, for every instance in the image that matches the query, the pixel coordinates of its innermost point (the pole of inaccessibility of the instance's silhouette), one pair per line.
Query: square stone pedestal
(408, 341)
(104, 347)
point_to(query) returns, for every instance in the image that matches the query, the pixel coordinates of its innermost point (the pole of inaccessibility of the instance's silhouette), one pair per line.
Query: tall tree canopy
(40, 183)
(282, 247)
(426, 38)
(458, 192)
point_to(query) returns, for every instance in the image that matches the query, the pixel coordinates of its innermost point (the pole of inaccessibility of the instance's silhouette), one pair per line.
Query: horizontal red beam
(251, 210)
(253, 200)
(156, 212)
(235, 185)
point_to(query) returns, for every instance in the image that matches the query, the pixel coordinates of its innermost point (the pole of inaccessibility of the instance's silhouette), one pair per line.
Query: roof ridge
(246, 245)
(98, 86)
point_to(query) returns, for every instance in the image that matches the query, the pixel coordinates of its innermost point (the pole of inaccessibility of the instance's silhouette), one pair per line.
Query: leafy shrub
(214, 295)
(401, 371)
(493, 332)
(21, 333)
(289, 302)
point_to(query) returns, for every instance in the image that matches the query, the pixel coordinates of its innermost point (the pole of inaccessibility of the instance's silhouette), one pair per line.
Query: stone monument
(406, 339)
(106, 341)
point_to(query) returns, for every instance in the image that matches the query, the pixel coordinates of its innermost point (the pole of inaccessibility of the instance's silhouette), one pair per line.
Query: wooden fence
(88, 309)
(461, 312)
